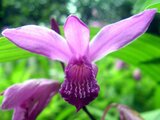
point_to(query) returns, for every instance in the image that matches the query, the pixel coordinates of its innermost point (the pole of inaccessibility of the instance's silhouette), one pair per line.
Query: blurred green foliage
(140, 5)
(17, 13)
(117, 85)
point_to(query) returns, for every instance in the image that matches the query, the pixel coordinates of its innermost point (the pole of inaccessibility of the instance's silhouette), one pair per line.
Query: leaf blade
(9, 51)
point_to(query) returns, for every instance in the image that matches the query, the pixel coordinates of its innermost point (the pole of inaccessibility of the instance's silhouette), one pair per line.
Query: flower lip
(80, 86)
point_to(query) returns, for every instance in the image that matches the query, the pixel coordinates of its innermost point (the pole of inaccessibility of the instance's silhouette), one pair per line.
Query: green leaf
(141, 5)
(143, 53)
(9, 51)
(157, 5)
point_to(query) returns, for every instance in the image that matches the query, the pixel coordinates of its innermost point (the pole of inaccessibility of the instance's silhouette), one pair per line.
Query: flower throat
(80, 85)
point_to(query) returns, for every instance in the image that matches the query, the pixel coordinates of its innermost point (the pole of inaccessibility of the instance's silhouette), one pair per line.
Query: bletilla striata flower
(80, 86)
(28, 99)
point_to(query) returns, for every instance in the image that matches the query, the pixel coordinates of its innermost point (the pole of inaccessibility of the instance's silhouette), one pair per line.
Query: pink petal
(43, 96)
(117, 35)
(17, 94)
(77, 36)
(39, 40)
(31, 107)
(19, 114)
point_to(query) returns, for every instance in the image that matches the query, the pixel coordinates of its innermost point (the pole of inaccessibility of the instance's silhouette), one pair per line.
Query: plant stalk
(88, 113)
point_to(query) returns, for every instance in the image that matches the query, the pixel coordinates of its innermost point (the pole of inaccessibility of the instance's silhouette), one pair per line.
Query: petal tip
(151, 11)
(154, 10)
(7, 32)
(72, 19)
(4, 32)
(147, 13)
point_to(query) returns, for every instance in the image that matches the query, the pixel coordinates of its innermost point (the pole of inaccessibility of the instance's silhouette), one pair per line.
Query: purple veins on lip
(80, 86)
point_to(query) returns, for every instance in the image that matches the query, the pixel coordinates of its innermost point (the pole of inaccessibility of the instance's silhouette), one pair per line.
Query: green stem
(88, 113)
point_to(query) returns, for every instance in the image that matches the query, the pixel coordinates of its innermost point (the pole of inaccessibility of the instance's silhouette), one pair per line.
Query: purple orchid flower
(80, 86)
(29, 98)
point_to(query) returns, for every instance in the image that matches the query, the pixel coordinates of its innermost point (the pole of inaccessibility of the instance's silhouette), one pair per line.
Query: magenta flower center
(80, 86)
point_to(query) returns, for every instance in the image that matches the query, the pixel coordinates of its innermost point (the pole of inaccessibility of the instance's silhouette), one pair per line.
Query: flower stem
(88, 113)
(107, 109)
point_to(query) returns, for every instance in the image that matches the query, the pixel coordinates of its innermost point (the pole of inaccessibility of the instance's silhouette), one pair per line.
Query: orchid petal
(39, 40)
(43, 97)
(77, 36)
(17, 94)
(19, 114)
(117, 35)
